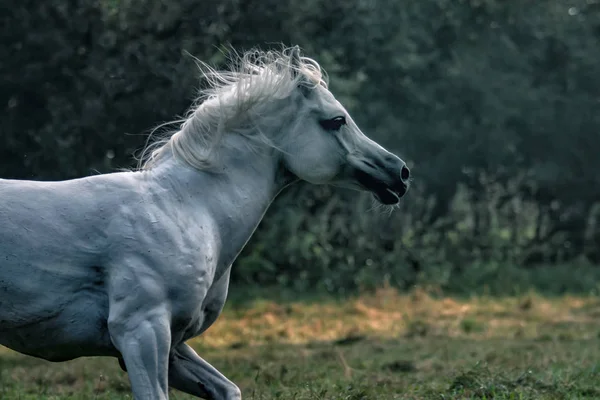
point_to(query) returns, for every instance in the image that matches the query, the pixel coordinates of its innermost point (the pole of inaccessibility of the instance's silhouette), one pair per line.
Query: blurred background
(494, 105)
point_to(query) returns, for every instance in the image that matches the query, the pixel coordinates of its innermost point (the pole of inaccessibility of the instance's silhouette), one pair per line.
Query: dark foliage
(494, 104)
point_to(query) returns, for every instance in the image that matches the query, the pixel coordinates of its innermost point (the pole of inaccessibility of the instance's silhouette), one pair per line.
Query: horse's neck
(236, 197)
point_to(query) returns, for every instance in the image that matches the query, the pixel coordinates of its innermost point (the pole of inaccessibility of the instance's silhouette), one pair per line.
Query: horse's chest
(195, 317)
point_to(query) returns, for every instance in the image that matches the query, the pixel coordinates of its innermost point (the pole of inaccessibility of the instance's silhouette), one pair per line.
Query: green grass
(379, 346)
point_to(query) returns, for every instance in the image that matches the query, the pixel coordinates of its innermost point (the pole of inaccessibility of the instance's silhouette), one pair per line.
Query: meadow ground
(377, 346)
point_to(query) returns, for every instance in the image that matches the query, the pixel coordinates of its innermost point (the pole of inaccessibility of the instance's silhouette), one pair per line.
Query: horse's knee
(229, 392)
(191, 374)
(234, 393)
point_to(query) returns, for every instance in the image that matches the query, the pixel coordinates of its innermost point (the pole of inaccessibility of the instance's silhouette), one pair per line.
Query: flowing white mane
(237, 101)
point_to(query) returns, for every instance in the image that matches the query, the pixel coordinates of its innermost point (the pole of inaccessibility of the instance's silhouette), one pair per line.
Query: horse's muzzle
(388, 185)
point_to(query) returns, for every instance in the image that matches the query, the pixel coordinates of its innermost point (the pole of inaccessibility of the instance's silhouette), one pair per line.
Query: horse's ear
(295, 60)
(295, 56)
(296, 64)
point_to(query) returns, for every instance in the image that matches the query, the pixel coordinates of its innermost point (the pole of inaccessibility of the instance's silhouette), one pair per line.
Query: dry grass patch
(384, 345)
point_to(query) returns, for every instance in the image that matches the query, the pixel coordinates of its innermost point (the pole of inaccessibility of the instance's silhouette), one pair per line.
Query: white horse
(133, 264)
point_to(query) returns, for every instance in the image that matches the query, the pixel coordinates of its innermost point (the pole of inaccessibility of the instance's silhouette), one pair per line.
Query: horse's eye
(333, 124)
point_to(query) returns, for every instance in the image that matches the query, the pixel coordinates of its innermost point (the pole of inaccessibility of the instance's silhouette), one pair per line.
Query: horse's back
(51, 226)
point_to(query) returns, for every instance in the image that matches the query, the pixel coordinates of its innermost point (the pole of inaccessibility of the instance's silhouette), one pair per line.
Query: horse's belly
(75, 327)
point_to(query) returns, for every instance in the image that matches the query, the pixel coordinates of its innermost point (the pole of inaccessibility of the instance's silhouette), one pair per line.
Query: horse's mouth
(388, 197)
(384, 193)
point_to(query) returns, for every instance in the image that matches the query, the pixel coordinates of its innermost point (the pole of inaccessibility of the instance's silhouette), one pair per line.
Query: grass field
(379, 346)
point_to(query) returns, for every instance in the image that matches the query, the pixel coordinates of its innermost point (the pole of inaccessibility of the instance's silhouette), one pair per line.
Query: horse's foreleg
(189, 373)
(144, 342)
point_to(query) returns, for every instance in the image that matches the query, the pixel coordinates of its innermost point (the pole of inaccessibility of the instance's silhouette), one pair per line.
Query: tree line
(492, 103)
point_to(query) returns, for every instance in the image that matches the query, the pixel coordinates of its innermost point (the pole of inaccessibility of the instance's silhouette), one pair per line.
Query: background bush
(493, 104)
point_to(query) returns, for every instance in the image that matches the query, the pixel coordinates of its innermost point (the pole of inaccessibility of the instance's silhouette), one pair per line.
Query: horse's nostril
(405, 173)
